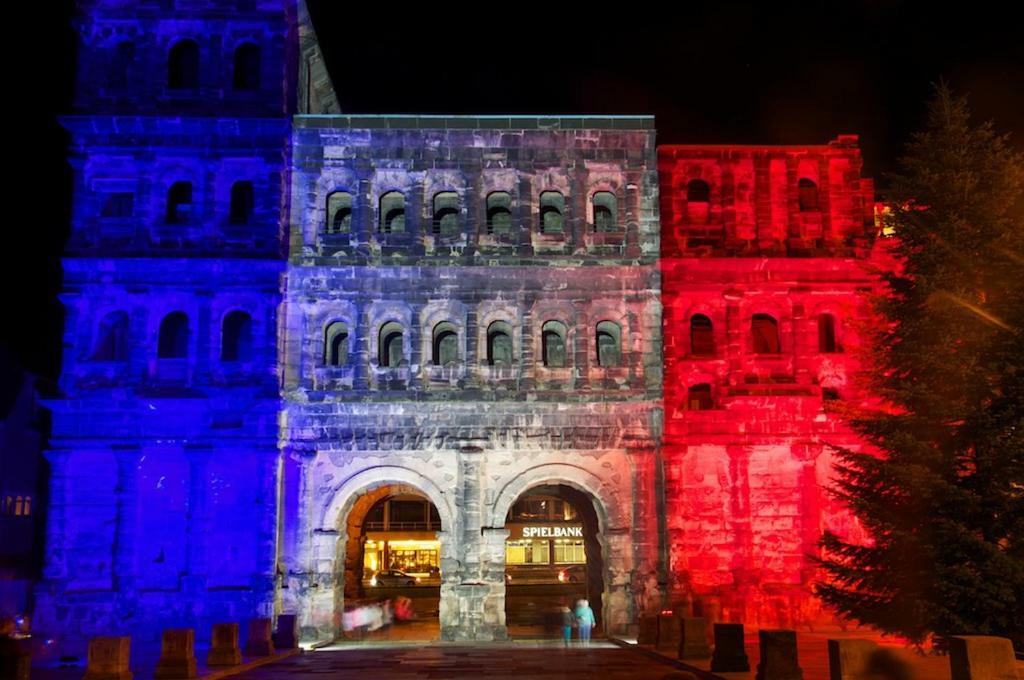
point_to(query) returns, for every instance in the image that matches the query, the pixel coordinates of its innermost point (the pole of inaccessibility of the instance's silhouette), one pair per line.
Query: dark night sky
(764, 72)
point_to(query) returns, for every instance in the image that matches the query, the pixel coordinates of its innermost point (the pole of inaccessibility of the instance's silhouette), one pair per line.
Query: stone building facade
(278, 315)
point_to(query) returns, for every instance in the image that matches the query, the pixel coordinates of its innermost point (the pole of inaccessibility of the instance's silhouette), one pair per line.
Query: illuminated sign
(553, 532)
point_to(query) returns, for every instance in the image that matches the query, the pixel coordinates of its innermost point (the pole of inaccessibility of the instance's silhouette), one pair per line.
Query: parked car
(577, 573)
(393, 577)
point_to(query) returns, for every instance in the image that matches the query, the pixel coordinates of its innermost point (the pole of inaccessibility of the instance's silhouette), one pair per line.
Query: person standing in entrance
(585, 621)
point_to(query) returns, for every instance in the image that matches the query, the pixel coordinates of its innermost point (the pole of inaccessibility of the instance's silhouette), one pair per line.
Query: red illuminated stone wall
(746, 243)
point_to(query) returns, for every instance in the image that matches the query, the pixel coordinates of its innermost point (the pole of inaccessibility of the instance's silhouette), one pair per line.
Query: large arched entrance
(553, 557)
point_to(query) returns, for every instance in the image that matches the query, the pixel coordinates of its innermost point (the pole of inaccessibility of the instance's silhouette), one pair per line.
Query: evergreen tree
(943, 494)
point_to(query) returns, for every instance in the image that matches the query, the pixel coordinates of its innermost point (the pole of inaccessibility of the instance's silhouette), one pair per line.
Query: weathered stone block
(847, 659)
(693, 643)
(648, 633)
(669, 632)
(730, 653)
(109, 658)
(224, 649)
(287, 634)
(177, 654)
(259, 641)
(778, 656)
(981, 657)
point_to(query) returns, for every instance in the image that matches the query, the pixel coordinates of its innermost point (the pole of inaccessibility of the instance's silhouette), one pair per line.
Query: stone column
(127, 512)
(194, 583)
(742, 565)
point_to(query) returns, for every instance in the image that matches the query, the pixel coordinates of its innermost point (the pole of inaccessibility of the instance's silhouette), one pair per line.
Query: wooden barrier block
(224, 649)
(730, 649)
(287, 634)
(981, 657)
(778, 656)
(693, 643)
(259, 641)
(648, 634)
(848, 659)
(109, 658)
(177, 655)
(669, 633)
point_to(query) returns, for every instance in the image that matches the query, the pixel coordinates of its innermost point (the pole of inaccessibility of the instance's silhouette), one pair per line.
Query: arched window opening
(807, 194)
(698, 397)
(446, 214)
(339, 212)
(336, 344)
(605, 211)
(764, 330)
(609, 344)
(552, 211)
(242, 202)
(183, 66)
(246, 77)
(173, 342)
(390, 349)
(698, 191)
(112, 338)
(702, 335)
(236, 337)
(179, 203)
(121, 63)
(827, 334)
(499, 344)
(553, 336)
(392, 213)
(445, 344)
(499, 213)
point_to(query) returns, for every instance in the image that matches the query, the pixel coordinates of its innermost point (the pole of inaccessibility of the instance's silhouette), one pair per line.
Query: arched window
(339, 212)
(173, 342)
(246, 76)
(552, 211)
(112, 338)
(392, 213)
(827, 334)
(183, 66)
(764, 331)
(445, 344)
(242, 202)
(499, 213)
(236, 337)
(336, 344)
(698, 397)
(553, 336)
(390, 350)
(121, 63)
(499, 344)
(609, 343)
(698, 191)
(702, 335)
(807, 194)
(605, 211)
(446, 214)
(179, 203)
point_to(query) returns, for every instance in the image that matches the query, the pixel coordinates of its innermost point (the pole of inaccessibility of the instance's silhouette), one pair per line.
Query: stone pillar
(259, 642)
(224, 649)
(981, 657)
(109, 659)
(669, 632)
(730, 652)
(177, 655)
(778, 656)
(194, 584)
(848, 659)
(127, 512)
(693, 641)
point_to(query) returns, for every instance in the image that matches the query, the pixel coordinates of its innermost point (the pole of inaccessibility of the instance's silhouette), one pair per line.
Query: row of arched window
(698, 191)
(183, 66)
(180, 207)
(445, 206)
(17, 506)
(764, 335)
(445, 349)
(112, 337)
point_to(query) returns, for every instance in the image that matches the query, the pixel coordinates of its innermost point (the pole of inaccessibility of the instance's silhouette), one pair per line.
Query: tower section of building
(163, 455)
(472, 312)
(767, 263)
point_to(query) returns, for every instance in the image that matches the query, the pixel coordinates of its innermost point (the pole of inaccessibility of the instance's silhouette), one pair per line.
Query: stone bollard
(669, 633)
(108, 658)
(693, 643)
(778, 656)
(848, 659)
(981, 657)
(730, 651)
(177, 655)
(287, 634)
(224, 649)
(259, 642)
(648, 634)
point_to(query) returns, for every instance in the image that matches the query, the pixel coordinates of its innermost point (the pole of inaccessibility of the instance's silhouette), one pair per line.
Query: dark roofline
(417, 121)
